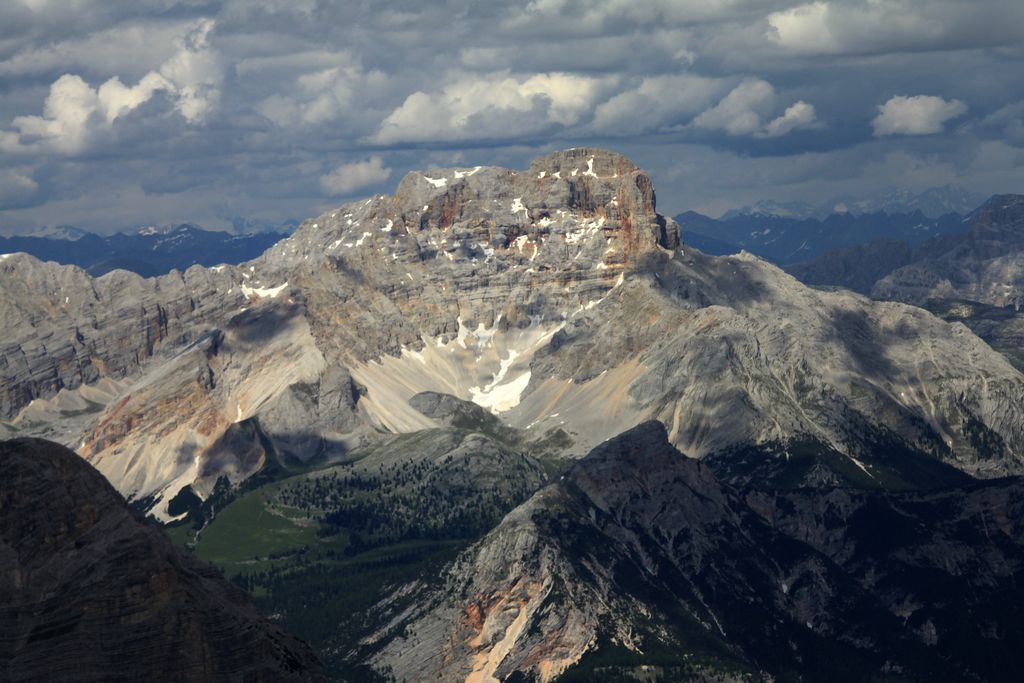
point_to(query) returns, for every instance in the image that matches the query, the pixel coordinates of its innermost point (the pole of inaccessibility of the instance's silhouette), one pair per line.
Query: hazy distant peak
(932, 202)
(59, 232)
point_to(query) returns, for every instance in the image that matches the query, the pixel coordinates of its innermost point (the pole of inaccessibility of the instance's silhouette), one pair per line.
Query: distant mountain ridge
(979, 264)
(150, 251)
(787, 240)
(933, 203)
(555, 296)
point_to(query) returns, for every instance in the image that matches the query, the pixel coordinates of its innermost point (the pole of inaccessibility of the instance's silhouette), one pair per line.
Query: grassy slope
(309, 577)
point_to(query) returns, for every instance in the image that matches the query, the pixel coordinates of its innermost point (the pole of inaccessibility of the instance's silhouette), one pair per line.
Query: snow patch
(502, 397)
(466, 174)
(436, 182)
(261, 292)
(359, 242)
(590, 168)
(418, 355)
(387, 228)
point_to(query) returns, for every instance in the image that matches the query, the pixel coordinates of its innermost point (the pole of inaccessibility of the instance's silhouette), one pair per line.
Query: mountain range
(149, 251)
(544, 436)
(786, 240)
(933, 203)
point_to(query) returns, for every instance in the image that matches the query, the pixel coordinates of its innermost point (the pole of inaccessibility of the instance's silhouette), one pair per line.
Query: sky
(116, 114)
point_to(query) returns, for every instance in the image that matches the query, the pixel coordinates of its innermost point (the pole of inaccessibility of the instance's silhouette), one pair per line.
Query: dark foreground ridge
(640, 557)
(90, 592)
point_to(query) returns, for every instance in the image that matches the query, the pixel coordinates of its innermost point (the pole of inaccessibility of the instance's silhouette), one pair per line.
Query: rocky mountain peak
(1000, 218)
(574, 210)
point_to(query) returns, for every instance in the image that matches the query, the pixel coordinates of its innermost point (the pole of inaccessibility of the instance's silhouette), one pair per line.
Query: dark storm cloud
(116, 113)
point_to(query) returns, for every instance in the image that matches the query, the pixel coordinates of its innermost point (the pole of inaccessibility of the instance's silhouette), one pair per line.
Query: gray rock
(557, 298)
(639, 551)
(89, 591)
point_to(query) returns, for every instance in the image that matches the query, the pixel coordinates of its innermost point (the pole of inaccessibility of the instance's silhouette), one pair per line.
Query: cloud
(798, 115)
(917, 115)
(185, 106)
(597, 17)
(348, 178)
(196, 72)
(740, 112)
(1007, 122)
(831, 27)
(74, 112)
(69, 113)
(17, 188)
(139, 47)
(498, 106)
(744, 109)
(657, 103)
(804, 28)
(321, 96)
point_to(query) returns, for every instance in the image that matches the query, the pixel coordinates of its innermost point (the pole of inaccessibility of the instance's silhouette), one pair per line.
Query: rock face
(90, 592)
(557, 298)
(986, 265)
(857, 268)
(64, 328)
(638, 551)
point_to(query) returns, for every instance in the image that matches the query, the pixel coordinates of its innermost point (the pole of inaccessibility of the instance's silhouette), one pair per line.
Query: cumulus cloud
(804, 28)
(68, 114)
(800, 114)
(657, 103)
(880, 26)
(196, 72)
(494, 107)
(744, 110)
(917, 115)
(325, 95)
(74, 111)
(195, 104)
(347, 178)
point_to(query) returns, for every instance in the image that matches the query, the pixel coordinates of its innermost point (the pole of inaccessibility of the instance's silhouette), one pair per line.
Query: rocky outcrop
(639, 555)
(88, 591)
(556, 297)
(857, 268)
(64, 328)
(985, 265)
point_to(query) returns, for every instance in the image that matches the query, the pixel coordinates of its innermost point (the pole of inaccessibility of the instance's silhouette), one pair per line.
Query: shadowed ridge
(90, 592)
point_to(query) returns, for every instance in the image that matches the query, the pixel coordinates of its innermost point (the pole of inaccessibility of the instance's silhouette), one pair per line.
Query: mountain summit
(555, 297)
